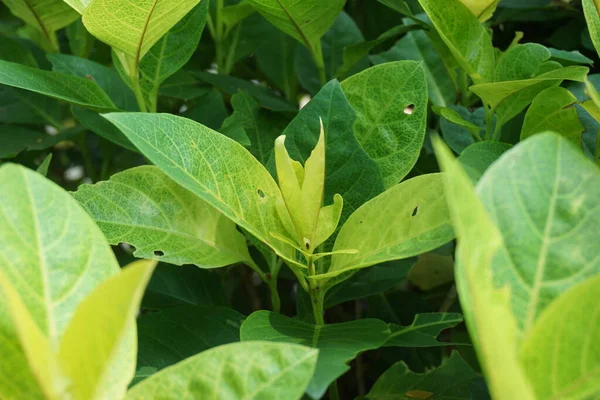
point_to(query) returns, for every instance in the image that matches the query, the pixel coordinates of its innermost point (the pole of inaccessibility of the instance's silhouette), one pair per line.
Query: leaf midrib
(143, 35)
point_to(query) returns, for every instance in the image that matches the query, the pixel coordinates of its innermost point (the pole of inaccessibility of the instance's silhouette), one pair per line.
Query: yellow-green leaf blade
(46, 16)
(217, 169)
(98, 350)
(253, 371)
(592, 18)
(148, 210)
(404, 221)
(134, 28)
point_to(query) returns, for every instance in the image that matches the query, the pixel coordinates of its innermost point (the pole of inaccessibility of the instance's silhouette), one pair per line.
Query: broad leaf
(134, 33)
(148, 210)
(553, 110)
(186, 285)
(75, 90)
(170, 336)
(48, 245)
(450, 381)
(486, 308)
(453, 116)
(406, 220)
(457, 134)
(417, 46)
(464, 35)
(306, 21)
(337, 343)
(15, 139)
(392, 135)
(560, 354)
(98, 354)
(483, 9)
(45, 16)
(275, 58)
(200, 160)
(253, 371)
(423, 331)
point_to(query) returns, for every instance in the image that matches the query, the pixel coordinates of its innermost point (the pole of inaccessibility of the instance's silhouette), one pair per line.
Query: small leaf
(337, 343)
(75, 90)
(416, 220)
(98, 354)
(283, 372)
(466, 37)
(146, 209)
(553, 110)
(423, 331)
(43, 168)
(454, 117)
(450, 381)
(390, 136)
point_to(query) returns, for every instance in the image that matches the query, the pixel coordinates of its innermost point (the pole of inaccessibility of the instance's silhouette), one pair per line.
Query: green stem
(489, 118)
(87, 159)
(231, 54)
(275, 267)
(464, 87)
(316, 294)
(334, 393)
(137, 90)
(317, 55)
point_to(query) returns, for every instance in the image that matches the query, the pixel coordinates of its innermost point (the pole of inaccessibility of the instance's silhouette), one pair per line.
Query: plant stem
(137, 90)
(334, 393)
(489, 118)
(316, 294)
(275, 267)
(317, 55)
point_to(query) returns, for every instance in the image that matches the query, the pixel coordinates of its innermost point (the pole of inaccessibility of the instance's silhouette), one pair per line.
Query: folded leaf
(406, 220)
(466, 37)
(148, 210)
(252, 371)
(337, 343)
(48, 246)
(98, 349)
(392, 135)
(75, 90)
(217, 169)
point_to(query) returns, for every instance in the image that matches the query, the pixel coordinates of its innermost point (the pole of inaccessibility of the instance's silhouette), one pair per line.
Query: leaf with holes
(148, 210)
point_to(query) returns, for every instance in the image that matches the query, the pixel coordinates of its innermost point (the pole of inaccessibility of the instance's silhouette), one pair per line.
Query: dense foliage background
(238, 71)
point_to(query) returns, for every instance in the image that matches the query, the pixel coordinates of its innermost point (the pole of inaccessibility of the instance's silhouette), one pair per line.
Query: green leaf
(569, 57)
(80, 40)
(15, 51)
(482, 9)
(423, 331)
(559, 353)
(19, 106)
(416, 220)
(75, 90)
(392, 135)
(478, 157)
(356, 52)
(337, 343)
(107, 78)
(417, 46)
(344, 32)
(261, 126)
(464, 35)
(146, 209)
(233, 85)
(495, 93)
(43, 168)
(98, 354)
(592, 18)
(305, 21)
(171, 335)
(41, 224)
(368, 282)
(275, 58)
(134, 33)
(95, 123)
(553, 110)
(186, 285)
(14, 139)
(170, 53)
(78, 5)
(453, 116)
(45, 16)
(200, 160)
(486, 305)
(257, 370)
(210, 110)
(357, 181)
(450, 381)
